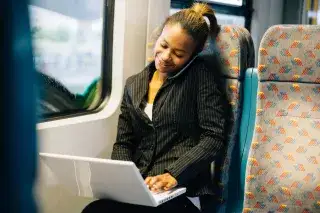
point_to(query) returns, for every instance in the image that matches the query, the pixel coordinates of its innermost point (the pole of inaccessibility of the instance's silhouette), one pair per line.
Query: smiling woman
(173, 49)
(172, 116)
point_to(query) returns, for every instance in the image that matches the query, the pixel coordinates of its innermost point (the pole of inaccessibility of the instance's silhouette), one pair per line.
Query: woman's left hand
(161, 182)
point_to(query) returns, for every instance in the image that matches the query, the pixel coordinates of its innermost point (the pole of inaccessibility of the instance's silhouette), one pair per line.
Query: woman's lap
(108, 206)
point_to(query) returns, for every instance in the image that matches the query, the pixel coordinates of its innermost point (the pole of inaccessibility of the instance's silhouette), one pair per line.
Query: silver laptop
(103, 178)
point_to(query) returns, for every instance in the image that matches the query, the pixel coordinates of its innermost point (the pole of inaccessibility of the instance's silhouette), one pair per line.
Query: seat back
(235, 49)
(283, 172)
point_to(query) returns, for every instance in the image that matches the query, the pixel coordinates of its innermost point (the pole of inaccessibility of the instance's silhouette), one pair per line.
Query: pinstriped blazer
(187, 130)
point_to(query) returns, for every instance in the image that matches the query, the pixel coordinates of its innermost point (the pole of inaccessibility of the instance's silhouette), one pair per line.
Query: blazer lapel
(138, 90)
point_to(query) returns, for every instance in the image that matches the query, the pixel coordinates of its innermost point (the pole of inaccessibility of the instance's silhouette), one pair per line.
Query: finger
(170, 185)
(156, 191)
(153, 180)
(147, 180)
(159, 185)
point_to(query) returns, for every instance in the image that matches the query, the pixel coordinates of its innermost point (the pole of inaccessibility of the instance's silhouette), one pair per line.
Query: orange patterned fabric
(290, 53)
(283, 169)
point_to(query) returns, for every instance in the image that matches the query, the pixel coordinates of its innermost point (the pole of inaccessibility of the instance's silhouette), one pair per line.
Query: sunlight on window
(228, 2)
(224, 19)
(67, 49)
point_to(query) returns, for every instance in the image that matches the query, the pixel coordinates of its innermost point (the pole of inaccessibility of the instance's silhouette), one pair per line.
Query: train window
(68, 49)
(228, 12)
(227, 2)
(174, 10)
(224, 19)
(313, 12)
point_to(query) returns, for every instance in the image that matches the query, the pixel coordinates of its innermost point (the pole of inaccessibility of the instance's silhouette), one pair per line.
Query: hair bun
(201, 8)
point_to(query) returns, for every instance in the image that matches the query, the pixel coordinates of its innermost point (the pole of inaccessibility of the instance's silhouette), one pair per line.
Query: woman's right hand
(160, 183)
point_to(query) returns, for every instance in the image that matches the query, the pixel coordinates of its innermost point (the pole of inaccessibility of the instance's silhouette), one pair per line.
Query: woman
(172, 115)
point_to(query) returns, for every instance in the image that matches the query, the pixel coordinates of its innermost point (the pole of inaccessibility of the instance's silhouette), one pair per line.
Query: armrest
(247, 123)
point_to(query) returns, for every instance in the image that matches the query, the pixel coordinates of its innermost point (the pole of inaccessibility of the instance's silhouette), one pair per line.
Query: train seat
(235, 49)
(282, 173)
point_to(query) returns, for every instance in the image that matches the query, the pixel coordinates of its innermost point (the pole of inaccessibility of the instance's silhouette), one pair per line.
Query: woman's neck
(154, 86)
(162, 76)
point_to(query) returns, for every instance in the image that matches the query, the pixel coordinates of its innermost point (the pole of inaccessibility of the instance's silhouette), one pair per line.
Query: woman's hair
(193, 21)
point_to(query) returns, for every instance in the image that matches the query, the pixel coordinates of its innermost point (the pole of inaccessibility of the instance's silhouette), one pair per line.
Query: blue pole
(18, 123)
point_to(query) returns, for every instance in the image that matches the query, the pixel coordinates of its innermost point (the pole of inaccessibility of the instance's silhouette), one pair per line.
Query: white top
(148, 111)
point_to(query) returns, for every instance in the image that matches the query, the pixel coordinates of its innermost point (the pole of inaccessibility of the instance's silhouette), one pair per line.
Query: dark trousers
(179, 204)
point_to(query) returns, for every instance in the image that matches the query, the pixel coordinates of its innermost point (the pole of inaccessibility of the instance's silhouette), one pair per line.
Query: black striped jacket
(187, 128)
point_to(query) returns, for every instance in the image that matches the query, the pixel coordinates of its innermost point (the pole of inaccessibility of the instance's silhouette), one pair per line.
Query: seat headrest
(234, 46)
(290, 53)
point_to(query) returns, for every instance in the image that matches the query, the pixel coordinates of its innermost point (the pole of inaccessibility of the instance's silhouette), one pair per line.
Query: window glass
(228, 2)
(67, 41)
(313, 12)
(224, 19)
(174, 10)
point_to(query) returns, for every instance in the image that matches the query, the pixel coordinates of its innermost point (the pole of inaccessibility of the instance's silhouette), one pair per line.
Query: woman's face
(173, 49)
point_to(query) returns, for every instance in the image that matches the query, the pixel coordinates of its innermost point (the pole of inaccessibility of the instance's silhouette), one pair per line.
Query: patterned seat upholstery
(236, 52)
(283, 169)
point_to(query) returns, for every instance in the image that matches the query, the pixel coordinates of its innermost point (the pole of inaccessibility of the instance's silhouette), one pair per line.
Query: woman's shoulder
(210, 65)
(138, 77)
(201, 65)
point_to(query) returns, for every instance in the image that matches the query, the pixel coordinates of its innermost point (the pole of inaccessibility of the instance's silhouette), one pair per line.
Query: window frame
(106, 69)
(245, 10)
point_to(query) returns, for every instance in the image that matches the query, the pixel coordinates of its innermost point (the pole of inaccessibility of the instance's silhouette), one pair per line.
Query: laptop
(104, 179)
